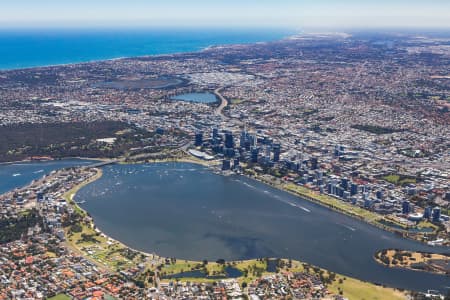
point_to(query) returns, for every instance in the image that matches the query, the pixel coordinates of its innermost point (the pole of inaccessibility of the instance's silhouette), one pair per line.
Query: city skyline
(285, 13)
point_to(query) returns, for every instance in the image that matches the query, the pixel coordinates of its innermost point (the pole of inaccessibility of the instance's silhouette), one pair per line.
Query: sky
(226, 13)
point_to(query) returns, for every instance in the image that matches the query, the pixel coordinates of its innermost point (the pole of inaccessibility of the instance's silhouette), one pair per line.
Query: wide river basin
(186, 211)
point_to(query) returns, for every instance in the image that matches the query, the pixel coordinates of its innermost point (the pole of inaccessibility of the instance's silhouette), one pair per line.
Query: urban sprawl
(358, 123)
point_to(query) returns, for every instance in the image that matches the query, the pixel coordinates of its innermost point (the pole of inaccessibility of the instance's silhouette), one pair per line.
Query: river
(16, 175)
(186, 211)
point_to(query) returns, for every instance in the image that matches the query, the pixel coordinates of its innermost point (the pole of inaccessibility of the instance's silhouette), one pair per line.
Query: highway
(223, 102)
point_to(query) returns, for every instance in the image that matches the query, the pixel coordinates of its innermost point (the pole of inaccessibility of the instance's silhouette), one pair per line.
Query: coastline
(153, 56)
(53, 159)
(70, 195)
(373, 222)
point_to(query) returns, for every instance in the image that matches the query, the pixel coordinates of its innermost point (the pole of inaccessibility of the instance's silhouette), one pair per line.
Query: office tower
(229, 141)
(215, 133)
(198, 138)
(405, 207)
(354, 189)
(276, 152)
(427, 212)
(254, 154)
(236, 163)
(344, 183)
(226, 165)
(436, 214)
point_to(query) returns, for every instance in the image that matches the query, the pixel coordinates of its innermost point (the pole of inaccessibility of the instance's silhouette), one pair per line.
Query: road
(223, 102)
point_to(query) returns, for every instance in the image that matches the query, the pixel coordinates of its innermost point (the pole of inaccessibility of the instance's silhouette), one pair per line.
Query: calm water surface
(42, 47)
(15, 175)
(196, 97)
(186, 211)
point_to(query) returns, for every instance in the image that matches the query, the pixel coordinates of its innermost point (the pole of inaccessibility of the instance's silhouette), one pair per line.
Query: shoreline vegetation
(332, 203)
(345, 208)
(305, 193)
(417, 261)
(356, 212)
(113, 255)
(85, 239)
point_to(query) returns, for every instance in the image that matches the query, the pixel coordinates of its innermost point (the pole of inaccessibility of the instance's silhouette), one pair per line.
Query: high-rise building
(344, 183)
(436, 214)
(226, 165)
(276, 152)
(406, 208)
(339, 191)
(229, 140)
(353, 189)
(215, 133)
(236, 163)
(198, 138)
(254, 154)
(245, 140)
(229, 152)
(427, 212)
(253, 140)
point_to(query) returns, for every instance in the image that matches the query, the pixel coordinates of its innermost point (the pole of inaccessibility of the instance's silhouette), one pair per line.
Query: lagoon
(196, 97)
(186, 211)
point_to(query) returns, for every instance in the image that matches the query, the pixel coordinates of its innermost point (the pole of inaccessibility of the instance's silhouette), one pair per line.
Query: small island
(419, 261)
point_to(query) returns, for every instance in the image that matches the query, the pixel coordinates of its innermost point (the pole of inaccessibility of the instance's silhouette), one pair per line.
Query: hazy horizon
(325, 14)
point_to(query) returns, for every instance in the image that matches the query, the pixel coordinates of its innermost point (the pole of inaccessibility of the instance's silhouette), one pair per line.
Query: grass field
(354, 289)
(398, 179)
(60, 297)
(71, 193)
(101, 249)
(407, 259)
(249, 267)
(179, 267)
(333, 202)
(93, 244)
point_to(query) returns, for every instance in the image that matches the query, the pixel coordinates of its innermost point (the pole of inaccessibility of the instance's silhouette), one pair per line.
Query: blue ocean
(33, 48)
